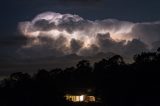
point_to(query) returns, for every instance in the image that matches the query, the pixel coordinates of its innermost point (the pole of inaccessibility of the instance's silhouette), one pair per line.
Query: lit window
(81, 98)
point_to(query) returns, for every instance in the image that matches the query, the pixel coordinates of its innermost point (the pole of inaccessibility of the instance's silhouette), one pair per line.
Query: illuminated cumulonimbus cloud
(68, 34)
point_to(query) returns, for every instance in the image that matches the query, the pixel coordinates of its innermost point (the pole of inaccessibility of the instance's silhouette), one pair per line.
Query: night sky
(116, 26)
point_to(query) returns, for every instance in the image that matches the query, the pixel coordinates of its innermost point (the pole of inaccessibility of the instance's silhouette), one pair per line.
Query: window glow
(81, 98)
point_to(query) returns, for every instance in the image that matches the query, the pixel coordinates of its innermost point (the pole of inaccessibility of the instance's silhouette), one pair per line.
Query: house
(80, 95)
(80, 98)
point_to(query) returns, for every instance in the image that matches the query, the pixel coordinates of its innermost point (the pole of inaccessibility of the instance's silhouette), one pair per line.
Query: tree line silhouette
(115, 82)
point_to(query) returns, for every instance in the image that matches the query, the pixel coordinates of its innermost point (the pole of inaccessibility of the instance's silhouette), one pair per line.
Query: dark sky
(15, 11)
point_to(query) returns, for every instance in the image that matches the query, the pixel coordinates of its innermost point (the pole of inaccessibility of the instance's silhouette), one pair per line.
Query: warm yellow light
(81, 98)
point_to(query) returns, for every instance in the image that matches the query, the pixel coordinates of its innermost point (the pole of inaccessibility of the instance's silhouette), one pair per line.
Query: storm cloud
(58, 34)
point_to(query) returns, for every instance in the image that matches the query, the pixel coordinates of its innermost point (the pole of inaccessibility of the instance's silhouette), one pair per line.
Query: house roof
(80, 91)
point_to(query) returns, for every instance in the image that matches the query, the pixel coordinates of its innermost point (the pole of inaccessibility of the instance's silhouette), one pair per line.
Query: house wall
(80, 98)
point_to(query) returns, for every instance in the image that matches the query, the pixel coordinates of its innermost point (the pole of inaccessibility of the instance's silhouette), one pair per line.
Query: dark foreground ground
(112, 81)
